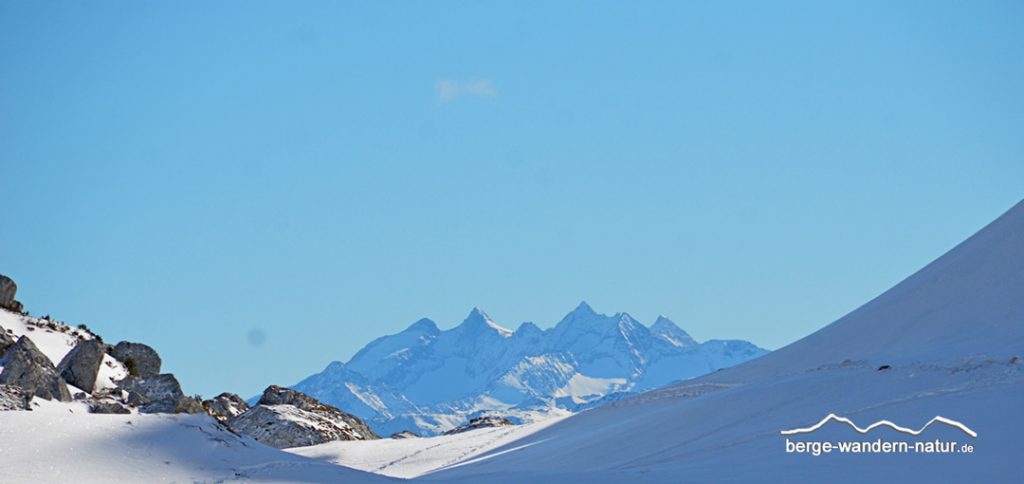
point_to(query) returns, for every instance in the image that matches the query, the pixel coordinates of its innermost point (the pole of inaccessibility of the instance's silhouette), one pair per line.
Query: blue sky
(257, 189)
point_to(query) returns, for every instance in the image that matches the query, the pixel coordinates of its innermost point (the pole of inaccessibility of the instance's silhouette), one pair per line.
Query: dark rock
(225, 406)
(158, 394)
(189, 405)
(14, 398)
(81, 365)
(405, 434)
(479, 423)
(27, 367)
(884, 367)
(6, 341)
(286, 418)
(108, 407)
(7, 291)
(141, 360)
(15, 306)
(115, 394)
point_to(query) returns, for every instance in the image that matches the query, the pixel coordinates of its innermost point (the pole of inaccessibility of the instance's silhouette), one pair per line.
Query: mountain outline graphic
(833, 417)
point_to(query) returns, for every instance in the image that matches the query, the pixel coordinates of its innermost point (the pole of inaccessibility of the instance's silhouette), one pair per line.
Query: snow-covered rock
(108, 407)
(13, 398)
(286, 418)
(432, 380)
(480, 423)
(225, 406)
(27, 367)
(405, 434)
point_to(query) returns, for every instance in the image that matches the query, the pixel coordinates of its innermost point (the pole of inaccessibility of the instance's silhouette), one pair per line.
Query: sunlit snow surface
(413, 457)
(62, 443)
(952, 334)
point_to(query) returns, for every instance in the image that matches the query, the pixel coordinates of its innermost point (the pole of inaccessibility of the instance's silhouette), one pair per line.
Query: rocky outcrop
(405, 434)
(109, 400)
(480, 423)
(159, 394)
(81, 365)
(27, 367)
(190, 405)
(13, 398)
(225, 406)
(108, 408)
(140, 360)
(7, 291)
(286, 418)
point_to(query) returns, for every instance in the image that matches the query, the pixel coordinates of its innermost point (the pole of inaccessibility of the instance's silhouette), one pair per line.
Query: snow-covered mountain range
(429, 380)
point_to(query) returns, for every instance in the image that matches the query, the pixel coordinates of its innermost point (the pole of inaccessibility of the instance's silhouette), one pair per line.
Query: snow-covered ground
(413, 457)
(61, 443)
(947, 341)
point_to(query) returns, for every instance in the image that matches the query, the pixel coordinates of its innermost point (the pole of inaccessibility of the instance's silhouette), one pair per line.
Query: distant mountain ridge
(430, 380)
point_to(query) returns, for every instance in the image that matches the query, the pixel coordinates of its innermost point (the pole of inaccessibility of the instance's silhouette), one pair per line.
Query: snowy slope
(61, 442)
(952, 334)
(413, 457)
(429, 380)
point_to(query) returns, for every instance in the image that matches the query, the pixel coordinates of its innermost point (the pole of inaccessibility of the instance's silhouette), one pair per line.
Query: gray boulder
(27, 367)
(13, 398)
(81, 366)
(190, 405)
(108, 408)
(225, 406)
(159, 394)
(7, 291)
(286, 418)
(141, 360)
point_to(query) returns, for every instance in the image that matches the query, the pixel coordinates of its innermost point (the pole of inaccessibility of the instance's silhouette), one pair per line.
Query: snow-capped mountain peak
(478, 319)
(664, 329)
